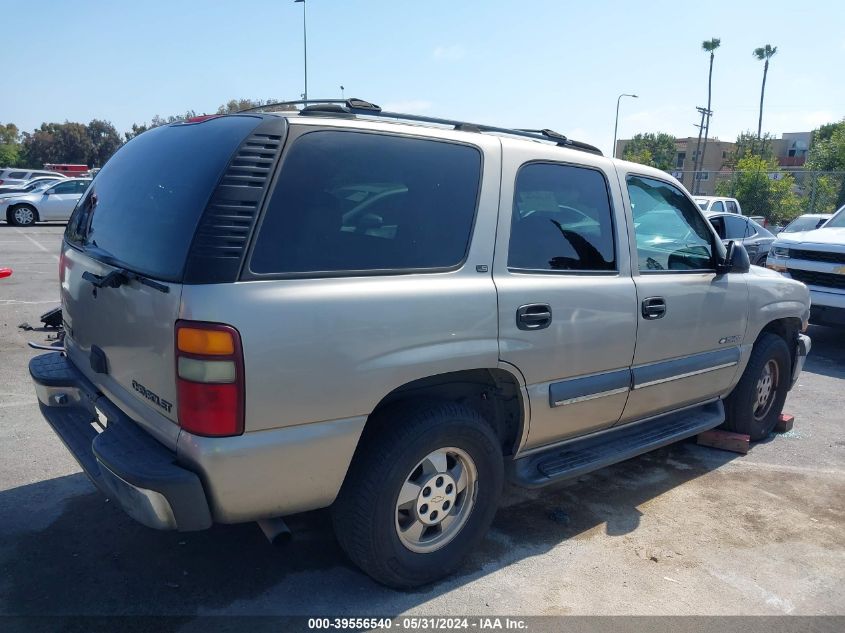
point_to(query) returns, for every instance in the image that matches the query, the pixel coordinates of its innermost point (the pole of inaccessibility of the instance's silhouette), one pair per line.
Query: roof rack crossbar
(365, 108)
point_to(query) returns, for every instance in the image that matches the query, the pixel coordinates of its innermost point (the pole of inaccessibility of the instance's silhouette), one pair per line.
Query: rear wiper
(121, 276)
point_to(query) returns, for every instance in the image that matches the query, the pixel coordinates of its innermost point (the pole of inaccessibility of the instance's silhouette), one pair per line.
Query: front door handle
(654, 308)
(534, 316)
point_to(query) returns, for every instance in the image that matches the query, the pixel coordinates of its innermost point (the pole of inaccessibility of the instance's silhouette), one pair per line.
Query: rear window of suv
(143, 207)
(353, 201)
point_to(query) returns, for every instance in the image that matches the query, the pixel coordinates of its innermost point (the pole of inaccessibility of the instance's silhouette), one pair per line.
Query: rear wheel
(754, 406)
(420, 493)
(22, 215)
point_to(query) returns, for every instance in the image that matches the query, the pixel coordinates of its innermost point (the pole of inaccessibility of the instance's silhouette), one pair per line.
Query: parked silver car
(755, 238)
(51, 204)
(13, 176)
(36, 184)
(388, 315)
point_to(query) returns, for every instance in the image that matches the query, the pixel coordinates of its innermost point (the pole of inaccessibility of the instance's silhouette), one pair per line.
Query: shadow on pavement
(827, 356)
(91, 559)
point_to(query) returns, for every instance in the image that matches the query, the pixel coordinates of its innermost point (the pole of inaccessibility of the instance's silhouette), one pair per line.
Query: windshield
(837, 221)
(804, 223)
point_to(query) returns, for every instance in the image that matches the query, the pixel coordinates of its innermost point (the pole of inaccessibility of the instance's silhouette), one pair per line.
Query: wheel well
(494, 393)
(787, 329)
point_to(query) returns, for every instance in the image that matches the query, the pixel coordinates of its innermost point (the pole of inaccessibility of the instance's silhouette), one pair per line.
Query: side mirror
(736, 260)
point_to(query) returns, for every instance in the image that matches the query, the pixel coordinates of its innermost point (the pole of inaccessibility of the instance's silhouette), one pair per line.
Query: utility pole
(699, 158)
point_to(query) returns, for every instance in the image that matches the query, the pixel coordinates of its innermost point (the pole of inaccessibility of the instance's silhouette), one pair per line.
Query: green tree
(105, 141)
(57, 143)
(747, 144)
(762, 189)
(657, 150)
(9, 145)
(764, 53)
(708, 46)
(827, 153)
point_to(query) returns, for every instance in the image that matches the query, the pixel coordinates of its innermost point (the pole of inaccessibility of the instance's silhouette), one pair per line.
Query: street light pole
(304, 48)
(616, 125)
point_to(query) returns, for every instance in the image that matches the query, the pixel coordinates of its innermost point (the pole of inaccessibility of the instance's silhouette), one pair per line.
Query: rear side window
(731, 205)
(561, 220)
(351, 201)
(143, 208)
(17, 174)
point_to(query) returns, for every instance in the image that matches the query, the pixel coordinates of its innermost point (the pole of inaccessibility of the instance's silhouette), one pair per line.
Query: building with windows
(790, 152)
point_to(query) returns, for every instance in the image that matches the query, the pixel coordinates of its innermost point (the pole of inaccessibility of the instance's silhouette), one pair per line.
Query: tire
(745, 411)
(22, 215)
(399, 453)
(762, 261)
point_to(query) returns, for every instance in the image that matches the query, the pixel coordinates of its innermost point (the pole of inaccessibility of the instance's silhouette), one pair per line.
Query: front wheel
(421, 492)
(21, 216)
(754, 406)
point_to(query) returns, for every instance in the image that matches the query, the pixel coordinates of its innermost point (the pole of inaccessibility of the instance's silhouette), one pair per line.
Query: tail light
(210, 378)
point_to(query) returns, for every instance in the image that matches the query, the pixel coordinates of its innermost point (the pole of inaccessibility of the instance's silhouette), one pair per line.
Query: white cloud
(409, 106)
(449, 53)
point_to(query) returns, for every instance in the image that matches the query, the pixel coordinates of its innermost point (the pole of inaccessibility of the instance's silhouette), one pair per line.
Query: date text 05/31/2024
(418, 623)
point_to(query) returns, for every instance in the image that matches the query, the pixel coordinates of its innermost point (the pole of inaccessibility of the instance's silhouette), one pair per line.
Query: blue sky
(555, 64)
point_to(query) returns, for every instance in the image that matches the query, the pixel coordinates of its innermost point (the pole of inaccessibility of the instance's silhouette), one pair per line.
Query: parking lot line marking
(38, 244)
(20, 301)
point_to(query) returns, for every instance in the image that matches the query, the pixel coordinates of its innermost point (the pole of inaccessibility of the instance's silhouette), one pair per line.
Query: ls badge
(729, 340)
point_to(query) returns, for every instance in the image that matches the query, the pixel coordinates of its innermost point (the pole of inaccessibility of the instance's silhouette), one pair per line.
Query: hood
(823, 236)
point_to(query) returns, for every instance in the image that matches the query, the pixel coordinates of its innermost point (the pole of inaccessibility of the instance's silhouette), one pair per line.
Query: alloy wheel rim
(23, 215)
(766, 389)
(436, 500)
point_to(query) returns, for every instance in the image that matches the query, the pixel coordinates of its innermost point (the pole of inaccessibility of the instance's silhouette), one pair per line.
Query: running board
(583, 455)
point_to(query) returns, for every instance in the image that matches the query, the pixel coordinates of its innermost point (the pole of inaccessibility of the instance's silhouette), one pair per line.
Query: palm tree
(708, 46)
(763, 53)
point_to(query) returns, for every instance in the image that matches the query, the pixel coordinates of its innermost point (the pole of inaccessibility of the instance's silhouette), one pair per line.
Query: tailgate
(121, 338)
(138, 222)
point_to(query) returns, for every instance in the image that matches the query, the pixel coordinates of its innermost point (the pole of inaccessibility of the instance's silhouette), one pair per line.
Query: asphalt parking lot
(683, 530)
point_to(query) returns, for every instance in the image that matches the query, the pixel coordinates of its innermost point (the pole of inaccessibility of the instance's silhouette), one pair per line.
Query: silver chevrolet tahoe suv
(385, 314)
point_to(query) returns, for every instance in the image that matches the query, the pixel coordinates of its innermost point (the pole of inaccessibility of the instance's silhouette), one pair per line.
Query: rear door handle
(534, 316)
(654, 308)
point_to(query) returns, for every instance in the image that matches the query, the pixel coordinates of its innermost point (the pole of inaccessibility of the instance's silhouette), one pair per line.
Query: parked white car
(718, 204)
(54, 203)
(15, 176)
(817, 258)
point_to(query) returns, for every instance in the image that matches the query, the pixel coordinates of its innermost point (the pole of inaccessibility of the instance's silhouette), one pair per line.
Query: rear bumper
(803, 348)
(124, 462)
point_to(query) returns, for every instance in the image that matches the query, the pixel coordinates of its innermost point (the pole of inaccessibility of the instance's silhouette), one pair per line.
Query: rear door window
(143, 208)
(352, 201)
(561, 220)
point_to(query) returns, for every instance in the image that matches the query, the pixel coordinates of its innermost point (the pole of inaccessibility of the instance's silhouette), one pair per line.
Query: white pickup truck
(717, 204)
(817, 258)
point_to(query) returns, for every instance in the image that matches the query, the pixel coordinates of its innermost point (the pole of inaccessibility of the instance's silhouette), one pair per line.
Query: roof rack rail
(365, 108)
